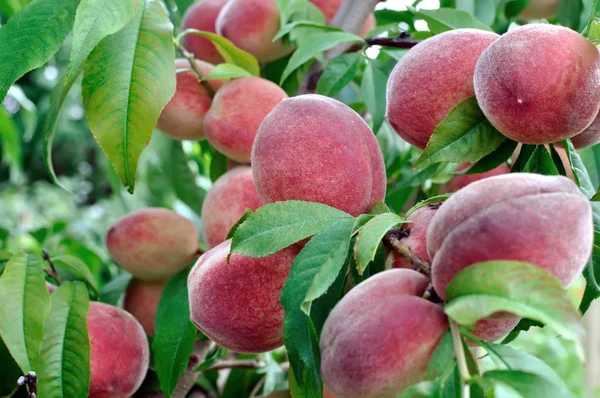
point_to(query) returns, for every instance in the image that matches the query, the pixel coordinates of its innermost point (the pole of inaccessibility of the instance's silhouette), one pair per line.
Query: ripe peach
(462, 180)
(251, 25)
(230, 196)
(539, 83)
(237, 304)
(416, 231)
(153, 243)
(431, 79)
(590, 136)
(516, 216)
(237, 111)
(494, 329)
(202, 15)
(183, 117)
(141, 300)
(540, 9)
(119, 352)
(316, 149)
(380, 337)
(330, 7)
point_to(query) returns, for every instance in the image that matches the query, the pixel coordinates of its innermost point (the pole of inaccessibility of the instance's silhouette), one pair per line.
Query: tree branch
(403, 40)
(52, 273)
(394, 239)
(236, 363)
(461, 360)
(192, 61)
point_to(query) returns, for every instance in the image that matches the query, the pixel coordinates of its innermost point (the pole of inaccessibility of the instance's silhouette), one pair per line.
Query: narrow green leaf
(79, 269)
(431, 201)
(522, 383)
(558, 162)
(524, 156)
(493, 160)
(24, 304)
(330, 263)
(465, 135)
(10, 140)
(286, 29)
(65, 366)
(313, 45)
(218, 166)
(541, 162)
(373, 88)
(230, 53)
(569, 13)
(370, 236)
(338, 73)
(244, 217)
(32, 36)
(227, 71)
(444, 19)
(175, 334)
(523, 289)
(113, 290)
(128, 79)
(275, 226)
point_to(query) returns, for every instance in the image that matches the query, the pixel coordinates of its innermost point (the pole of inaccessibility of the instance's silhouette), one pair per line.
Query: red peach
(462, 180)
(237, 304)
(119, 352)
(236, 113)
(141, 300)
(330, 7)
(202, 15)
(590, 136)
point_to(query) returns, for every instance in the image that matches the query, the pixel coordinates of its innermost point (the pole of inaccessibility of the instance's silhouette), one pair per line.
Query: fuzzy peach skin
(236, 113)
(316, 149)
(251, 25)
(202, 15)
(517, 217)
(141, 300)
(379, 338)
(540, 9)
(494, 329)
(237, 304)
(431, 79)
(590, 136)
(153, 243)
(226, 201)
(539, 83)
(119, 352)
(416, 239)
(330, 7)
(462, 180)
(183, 117)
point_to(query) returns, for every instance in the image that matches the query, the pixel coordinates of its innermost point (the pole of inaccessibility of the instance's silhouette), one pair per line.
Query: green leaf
(175, 334)
(275, 226)
(520, 288)
(286, 29)
(338, 73)
(313, 45)
(569, 13)
(444, 19)
(218, 166)
(328, 246)
(465, 135)
(227, 71)
(24, 304)
(522, 383)
(373, 88)
(524, 156)
(493, 160)
(113, 290)
(329, 263)
(370, 236)
(443, 357)
(78, 268)
(230, 53)
(431, 201)
(125, 90)
(541, 162)
(11, 7)
(10, 140)
(32, 36)
(244, 217)
(65, 364)
(558, 162)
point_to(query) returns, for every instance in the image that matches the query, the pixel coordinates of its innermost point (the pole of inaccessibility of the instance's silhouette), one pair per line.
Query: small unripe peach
(236, 113)
(119, 352)
(237, 304)
(379, 339)
(183, 117)
(226, 201)
(141, 300)
(431, 79)
(153, 243)
(539, 83)
(202, 15)
(540, 9)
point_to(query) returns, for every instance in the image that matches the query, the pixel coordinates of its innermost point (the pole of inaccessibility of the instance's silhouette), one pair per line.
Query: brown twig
(189, 377)
(236, 363)
(192, 61)
(403, 40)
(394, 239)
(52, 272)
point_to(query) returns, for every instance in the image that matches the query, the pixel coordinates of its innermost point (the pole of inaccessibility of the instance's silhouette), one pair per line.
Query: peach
(494, 329)
(416, 234)
(141, 300)
(183, 117)
(516, 216)
(316, 149)
(251, 25)
(379, 339)
(202, 15)
(226, 201)
(330, 7)
(540, 9)
(51, 288)
(539, 83)
(590, 136)
(431, 79)
(462, 180)
(237, 304)
(237, 111)
(119, 352)
(153, 243)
